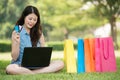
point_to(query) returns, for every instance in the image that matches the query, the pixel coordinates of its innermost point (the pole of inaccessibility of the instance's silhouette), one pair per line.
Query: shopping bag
(69, 57)
(108, 55)
(89, 48)
(106, 61)
(80, 56)
(92, 51)
(97, 55)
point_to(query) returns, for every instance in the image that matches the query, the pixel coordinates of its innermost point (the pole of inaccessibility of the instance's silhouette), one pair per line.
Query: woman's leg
(53, 67)
(16, 69)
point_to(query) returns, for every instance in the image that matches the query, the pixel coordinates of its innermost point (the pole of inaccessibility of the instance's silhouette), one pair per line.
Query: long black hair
(36, 31)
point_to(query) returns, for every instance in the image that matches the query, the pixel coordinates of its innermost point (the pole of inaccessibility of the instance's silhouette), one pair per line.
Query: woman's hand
(15, 45)
(16, 37)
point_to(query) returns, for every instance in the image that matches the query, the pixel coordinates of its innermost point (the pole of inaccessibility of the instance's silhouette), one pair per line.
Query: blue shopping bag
(80, 57)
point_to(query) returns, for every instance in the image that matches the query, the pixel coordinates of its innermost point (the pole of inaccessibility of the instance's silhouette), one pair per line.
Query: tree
(10, 11)
(60, 18)
(109, 9)
(62, 14)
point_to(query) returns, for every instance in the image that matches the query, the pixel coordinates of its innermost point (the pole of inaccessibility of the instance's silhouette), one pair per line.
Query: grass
(61, 75)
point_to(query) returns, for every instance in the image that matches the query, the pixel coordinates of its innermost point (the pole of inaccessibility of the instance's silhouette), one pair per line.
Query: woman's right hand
(15, 45)
(15, 37)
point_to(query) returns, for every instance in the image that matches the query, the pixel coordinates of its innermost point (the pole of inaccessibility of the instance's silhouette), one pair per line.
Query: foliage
(56, 45)
(110, 10)
(60, 19)
(5, 45)
(107, 8)
(59, 46)
(6, 30)
(11, 10)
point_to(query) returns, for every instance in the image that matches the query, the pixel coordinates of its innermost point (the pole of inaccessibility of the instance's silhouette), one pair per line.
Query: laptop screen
(36, 57)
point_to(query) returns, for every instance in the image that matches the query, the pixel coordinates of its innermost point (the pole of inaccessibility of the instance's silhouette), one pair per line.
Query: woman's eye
(35, 20)
(30, 18)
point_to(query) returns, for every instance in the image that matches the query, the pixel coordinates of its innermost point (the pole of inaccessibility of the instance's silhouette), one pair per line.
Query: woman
(30, 35)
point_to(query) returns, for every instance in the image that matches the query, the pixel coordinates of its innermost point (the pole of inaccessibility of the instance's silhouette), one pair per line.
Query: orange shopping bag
(69, 56)
(89, 49)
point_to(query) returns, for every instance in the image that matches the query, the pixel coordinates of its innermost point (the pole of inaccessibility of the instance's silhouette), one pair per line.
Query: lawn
(61, 75)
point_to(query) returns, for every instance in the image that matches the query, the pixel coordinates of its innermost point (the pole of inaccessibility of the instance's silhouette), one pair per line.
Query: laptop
(36, 57)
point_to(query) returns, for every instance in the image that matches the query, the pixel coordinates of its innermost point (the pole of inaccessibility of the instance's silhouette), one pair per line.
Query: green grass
(61, 75)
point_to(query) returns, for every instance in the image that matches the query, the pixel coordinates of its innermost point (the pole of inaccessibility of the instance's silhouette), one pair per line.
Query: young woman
(30, 35)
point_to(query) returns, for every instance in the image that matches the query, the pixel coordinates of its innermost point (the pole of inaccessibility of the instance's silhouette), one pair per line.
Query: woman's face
(30, 20)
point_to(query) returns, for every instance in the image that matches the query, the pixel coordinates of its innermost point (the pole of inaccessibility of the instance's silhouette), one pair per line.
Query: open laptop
(36, 57)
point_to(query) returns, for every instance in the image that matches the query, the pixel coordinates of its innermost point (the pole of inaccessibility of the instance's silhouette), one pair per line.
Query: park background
(61, 20)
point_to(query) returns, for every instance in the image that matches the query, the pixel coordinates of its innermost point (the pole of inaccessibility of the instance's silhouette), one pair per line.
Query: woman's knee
(10, 69)
(59, 63)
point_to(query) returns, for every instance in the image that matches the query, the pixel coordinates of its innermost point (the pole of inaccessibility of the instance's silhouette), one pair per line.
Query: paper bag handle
(105, 48)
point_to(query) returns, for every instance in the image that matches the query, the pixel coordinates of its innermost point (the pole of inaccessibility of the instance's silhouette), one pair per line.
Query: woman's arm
(42, 41)
(15, 45)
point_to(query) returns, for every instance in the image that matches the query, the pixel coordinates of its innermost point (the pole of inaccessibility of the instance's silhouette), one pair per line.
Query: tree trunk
(114, 31)
(65, 33)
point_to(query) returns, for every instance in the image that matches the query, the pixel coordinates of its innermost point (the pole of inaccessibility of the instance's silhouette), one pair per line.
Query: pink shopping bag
(97, 55)
(104, 55)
